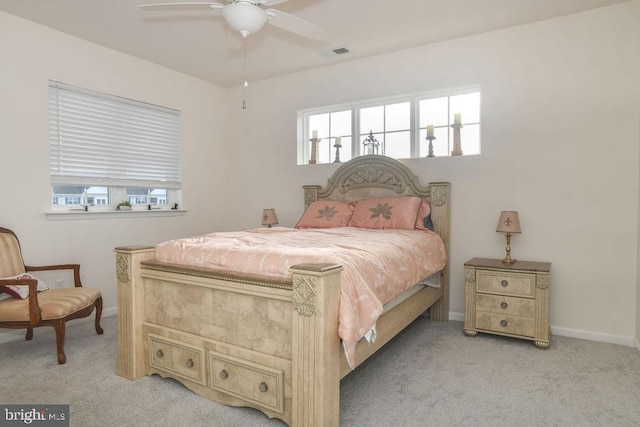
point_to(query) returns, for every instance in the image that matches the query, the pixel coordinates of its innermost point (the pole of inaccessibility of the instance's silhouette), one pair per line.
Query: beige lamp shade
(509, 222)
(269, 217)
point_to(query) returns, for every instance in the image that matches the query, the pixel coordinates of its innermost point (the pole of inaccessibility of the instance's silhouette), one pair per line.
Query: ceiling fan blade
(181, 6)
(296, 25)
(270, 2)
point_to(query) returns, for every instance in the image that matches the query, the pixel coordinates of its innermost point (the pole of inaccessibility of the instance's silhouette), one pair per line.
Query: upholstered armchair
(23, 307)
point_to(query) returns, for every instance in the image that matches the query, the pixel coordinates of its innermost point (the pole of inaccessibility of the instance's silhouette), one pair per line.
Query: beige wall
(560, 133)
(31, 55)
(560, 138)
(637, 337)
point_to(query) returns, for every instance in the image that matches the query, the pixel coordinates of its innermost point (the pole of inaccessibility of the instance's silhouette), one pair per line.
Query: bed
(243, 338)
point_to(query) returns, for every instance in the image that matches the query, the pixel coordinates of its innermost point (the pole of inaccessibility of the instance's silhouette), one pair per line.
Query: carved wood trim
(310, 194)
(123, 269)
(304, 295)
(221, 275)
(542, 281)
(372, 176)
(470, 274)
(373, 171)
(469, 302)
(438, 196)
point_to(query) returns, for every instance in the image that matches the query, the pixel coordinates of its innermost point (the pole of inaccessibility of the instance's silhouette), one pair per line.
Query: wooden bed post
(316, 349)
(440, 193)
(130, 309)
(310, 194)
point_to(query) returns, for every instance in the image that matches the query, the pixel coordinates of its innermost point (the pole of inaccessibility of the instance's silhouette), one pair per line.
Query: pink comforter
(378, 264)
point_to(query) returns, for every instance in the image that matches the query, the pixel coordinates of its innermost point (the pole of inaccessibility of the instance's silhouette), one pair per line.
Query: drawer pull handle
(264, 387)
(504, 283)
(503, 323)
(190, 363)
(504, 304)
(224, 374)
(159, 353)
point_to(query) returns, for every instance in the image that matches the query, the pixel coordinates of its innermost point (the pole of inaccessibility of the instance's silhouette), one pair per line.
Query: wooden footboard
(270, 345)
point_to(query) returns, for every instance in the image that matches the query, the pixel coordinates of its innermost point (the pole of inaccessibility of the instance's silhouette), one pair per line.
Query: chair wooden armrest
(34, 307)
(75, 267)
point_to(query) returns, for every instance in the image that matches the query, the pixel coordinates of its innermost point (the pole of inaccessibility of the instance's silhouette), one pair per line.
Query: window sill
(67, 215)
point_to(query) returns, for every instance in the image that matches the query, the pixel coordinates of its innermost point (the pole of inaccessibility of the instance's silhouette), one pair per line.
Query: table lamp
(269, 217)
(508, 223)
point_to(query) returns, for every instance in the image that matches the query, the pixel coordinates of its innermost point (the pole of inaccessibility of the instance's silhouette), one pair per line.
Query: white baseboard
(18, 334)
(593, 336)
(454, 315)
(577, 333)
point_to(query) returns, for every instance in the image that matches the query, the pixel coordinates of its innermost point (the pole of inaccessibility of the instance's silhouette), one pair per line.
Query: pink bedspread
(378, 264)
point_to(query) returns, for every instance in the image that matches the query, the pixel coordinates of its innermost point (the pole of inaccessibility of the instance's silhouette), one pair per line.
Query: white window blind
(98, 139)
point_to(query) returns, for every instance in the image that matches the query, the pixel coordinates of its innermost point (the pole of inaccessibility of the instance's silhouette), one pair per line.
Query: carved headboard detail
(372, 175)
(368, 176)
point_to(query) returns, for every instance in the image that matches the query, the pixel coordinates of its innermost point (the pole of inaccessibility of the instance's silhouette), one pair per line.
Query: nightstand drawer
(506, 306)
(177, 358)
(506, 283)
(505, 324)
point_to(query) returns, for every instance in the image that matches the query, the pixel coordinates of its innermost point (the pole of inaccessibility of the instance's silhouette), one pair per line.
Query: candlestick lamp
(508, 223)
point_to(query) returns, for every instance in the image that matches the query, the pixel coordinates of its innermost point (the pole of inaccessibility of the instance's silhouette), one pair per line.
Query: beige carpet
(430, 375)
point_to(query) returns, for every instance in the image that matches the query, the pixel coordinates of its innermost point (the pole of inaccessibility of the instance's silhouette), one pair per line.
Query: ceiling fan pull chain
(245, 83)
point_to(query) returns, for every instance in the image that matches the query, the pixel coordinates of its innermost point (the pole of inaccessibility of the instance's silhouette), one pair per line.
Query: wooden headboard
(369, 176)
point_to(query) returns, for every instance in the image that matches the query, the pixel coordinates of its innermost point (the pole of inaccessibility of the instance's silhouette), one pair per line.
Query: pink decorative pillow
(326, 214)
(423, 212)
(21, 292)
(387, 212)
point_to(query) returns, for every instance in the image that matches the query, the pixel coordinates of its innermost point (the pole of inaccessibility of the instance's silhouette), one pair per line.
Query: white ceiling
(200, 43)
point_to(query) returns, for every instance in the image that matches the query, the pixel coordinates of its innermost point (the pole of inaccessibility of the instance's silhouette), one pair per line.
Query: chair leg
(59, 327)
(99, 330)
(29, 335)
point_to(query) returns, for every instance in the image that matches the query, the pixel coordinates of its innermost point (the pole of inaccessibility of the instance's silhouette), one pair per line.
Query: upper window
(396, 127)
(105, 150)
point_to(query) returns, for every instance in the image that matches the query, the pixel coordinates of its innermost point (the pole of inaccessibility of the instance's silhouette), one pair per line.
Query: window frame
(414, 99)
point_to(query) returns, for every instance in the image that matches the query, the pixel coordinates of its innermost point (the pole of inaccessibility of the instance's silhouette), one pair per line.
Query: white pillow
(21, 291)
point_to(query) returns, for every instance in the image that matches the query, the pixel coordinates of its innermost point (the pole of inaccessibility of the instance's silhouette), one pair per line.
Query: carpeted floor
(430, 375)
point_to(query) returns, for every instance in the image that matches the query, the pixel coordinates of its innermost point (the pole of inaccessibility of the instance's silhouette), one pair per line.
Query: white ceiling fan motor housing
(244, 17)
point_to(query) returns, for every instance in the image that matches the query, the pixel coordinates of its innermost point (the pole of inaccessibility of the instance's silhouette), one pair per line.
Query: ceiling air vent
(341, 50)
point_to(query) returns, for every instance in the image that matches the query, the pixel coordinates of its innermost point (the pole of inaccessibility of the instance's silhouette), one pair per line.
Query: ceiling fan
(247, 16)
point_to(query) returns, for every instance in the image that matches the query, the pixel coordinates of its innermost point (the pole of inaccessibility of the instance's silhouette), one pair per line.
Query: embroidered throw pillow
(387, 212)
(326, 214)
(21, 292)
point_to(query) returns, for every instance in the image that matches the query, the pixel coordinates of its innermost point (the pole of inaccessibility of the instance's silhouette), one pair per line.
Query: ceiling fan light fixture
(244, 17)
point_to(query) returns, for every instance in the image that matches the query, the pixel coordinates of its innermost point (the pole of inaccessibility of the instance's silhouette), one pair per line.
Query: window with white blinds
(103, 140)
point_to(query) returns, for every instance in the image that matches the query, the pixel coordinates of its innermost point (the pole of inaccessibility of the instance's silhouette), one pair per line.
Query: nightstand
(507, 299)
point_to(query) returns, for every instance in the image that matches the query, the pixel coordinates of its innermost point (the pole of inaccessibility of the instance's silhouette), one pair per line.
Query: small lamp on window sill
(269, 217)
(508, 223)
